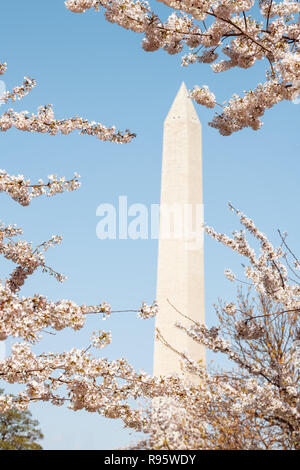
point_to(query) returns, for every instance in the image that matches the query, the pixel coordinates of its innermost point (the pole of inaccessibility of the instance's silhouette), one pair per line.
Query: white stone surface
(180, 273)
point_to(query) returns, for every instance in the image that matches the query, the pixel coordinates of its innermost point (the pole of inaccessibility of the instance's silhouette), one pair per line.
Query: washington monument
(180, 274)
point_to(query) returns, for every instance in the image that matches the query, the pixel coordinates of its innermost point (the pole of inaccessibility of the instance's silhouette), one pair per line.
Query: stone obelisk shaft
(180, 275)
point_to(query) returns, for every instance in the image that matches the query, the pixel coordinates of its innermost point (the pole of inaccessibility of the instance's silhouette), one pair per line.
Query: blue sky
(88, 67)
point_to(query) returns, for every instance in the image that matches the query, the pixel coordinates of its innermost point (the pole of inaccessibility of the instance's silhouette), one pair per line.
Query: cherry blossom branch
(44, 122)
(22, 191)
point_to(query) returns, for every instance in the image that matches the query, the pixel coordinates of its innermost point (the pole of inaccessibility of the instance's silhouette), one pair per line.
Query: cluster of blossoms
(3, 68)
(19, 91)
(213, 27)
(230, 308)
(23, 191)
(101, 339)
(229, 275)
(203, 96)
(246, 111)
(106, 310)
(82, 5)
(148, 311)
